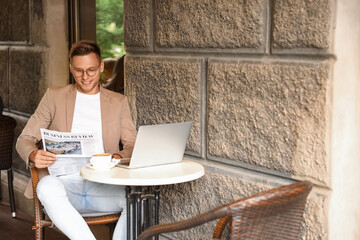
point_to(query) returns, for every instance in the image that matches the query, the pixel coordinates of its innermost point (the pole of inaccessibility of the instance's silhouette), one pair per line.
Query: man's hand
(117, 156)
(41, 158)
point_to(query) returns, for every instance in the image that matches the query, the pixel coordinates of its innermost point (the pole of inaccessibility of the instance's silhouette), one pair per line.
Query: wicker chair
(42, 221)
(7, 126)
(274, 214)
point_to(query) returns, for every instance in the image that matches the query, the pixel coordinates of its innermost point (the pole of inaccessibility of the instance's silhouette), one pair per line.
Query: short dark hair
(84, 47)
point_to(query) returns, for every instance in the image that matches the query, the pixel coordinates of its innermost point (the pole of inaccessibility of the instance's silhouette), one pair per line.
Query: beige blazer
(56, 111)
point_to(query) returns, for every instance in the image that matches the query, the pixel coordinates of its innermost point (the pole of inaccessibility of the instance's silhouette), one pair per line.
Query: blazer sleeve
(128, 130)
(26, 142)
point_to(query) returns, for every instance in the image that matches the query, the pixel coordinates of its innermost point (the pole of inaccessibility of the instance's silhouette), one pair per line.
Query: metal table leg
(128, 213)
(146, 208)
(157, 204)
(138, 211)
(140, 205)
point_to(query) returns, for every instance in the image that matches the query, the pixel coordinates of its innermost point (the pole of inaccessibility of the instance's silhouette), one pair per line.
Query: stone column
(254, 77)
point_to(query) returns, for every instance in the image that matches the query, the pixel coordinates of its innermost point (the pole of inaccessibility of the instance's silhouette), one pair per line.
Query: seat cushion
(96, 214)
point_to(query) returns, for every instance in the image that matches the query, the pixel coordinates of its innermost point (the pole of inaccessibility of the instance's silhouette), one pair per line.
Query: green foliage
(109, 27)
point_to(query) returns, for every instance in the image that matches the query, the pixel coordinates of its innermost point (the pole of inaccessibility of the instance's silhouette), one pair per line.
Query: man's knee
(50, 187)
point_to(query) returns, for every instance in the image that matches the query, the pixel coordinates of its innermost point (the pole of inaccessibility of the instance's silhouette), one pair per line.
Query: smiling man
(83, 107)
(86, 83)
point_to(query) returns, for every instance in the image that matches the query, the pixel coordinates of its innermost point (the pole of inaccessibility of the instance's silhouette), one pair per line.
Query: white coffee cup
(100, 160)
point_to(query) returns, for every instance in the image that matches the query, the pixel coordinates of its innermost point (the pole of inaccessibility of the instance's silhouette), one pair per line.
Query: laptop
(159, 144)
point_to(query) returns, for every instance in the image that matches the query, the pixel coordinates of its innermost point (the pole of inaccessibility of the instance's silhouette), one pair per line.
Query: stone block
(314, 224)
(27, 79)
(272, 116)
(227, 24)
(4, 84)
(182, 201)
(18, 162)
(137, 23)
(15, 24)
(165, 91)
(302, 24)
(38, 31)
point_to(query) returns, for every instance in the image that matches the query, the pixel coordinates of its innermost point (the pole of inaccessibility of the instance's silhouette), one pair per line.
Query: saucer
(108, 166)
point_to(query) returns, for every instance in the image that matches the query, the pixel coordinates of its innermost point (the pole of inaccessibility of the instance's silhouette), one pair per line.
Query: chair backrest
(7, 126)
(273, 214)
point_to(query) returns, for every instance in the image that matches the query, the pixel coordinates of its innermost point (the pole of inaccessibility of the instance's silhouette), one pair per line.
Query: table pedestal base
(142, 207)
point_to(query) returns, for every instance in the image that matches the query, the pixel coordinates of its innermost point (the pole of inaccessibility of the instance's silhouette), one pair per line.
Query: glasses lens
(78, 72)
(91, 72)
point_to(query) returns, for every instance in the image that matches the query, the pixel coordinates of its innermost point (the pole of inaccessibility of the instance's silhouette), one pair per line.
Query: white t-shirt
(87, 118)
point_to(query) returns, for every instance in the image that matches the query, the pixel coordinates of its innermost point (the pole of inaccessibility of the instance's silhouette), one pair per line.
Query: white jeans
(65, 196)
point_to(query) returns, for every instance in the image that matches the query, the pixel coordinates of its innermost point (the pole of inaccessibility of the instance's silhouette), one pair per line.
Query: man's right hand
(41, 158)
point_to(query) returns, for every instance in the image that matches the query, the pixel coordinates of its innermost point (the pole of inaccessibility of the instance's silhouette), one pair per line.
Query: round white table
(183, 171)
(139, 200)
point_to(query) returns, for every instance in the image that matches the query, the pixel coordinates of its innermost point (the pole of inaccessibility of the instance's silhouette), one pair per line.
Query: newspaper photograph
(73, 150)
(66, 144)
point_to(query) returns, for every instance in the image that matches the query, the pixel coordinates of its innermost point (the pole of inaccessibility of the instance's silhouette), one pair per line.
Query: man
(81, 107)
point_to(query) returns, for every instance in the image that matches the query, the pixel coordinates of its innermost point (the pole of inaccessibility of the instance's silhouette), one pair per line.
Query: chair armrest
(35, 181)
(38, 212)
(220, 227)
(34, 177)
(183, 225)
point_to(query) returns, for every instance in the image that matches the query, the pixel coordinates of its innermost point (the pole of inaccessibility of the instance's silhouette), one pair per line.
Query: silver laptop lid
(160, 144)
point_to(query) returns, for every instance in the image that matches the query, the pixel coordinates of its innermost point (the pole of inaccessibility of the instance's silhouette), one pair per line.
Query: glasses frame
(83, 71)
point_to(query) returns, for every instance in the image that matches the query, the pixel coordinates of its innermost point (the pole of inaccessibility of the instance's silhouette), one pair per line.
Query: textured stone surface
(164, 91)
(302, 24)
(137, 23)
(225, 24)
(15, 24)
(181, 201)
(18, 163)
(271, 116)
(27, 79)
(4, 85)
(262, 113)
(38, 34)
(315, 216)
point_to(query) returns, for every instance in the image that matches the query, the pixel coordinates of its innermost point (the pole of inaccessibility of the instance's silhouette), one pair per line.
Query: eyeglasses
(78, 72)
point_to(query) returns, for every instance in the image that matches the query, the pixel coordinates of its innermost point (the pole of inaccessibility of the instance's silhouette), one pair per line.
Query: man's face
(86, 71)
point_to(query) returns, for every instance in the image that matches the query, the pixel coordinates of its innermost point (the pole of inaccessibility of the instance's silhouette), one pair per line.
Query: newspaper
(73, 150)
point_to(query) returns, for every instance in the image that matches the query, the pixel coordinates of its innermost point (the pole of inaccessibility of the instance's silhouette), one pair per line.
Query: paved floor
(19, 228)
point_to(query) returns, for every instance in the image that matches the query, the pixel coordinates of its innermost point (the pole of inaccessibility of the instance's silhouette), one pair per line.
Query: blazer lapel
(105, 114)
(70, 107)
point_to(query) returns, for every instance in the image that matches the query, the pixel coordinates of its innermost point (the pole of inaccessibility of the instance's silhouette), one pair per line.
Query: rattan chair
(42, 221)
(7, 126)
(274, 214)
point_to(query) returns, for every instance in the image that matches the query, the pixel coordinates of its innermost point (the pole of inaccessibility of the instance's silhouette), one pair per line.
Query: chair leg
(39, 234)
(11, 192)
(111, 230)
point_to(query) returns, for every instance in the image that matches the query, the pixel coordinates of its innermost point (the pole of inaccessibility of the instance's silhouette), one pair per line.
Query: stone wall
(254, 77)
(23, 65)
(33, 57)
